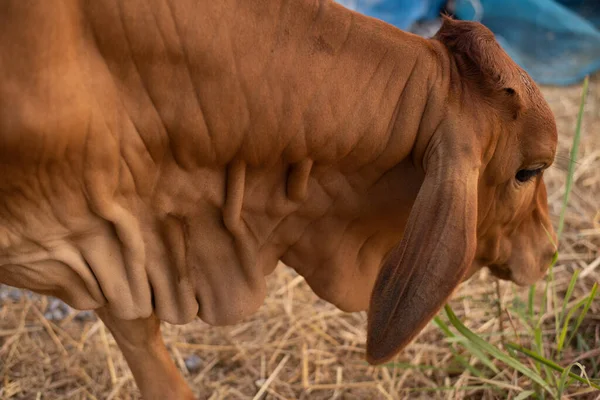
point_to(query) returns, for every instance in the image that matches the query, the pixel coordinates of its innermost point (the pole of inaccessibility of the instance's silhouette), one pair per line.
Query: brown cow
(159, 157)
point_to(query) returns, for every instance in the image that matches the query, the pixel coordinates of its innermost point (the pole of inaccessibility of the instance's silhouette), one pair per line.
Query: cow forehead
(537, 135)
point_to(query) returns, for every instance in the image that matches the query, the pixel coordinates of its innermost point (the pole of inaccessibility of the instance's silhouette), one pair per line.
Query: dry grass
(299, 347)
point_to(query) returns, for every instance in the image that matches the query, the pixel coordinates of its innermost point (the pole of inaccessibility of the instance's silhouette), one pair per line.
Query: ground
(299, 347)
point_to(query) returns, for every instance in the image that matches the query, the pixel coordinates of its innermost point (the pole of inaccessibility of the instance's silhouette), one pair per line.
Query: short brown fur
(159, 158)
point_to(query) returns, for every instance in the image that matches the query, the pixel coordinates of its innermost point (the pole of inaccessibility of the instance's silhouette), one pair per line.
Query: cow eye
(525, 175)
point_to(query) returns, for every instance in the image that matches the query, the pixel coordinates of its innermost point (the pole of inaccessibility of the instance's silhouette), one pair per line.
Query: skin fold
(159, 158)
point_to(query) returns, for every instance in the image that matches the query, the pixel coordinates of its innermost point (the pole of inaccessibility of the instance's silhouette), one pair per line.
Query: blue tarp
(401, 13)
(556, 41)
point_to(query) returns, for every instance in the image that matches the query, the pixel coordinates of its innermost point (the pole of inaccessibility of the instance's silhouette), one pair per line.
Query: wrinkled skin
(159, 158)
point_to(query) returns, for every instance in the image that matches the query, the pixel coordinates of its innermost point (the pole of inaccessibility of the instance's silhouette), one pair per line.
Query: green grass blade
(444, 328)
(477, 353)
(554, 301)
(574, 151)
(548, 282)
(569, 293)
(530, 301)
(563, 381)
(460, 359)
(494, 351)
(524, 395)
(539, 345)
(551, 364)
(584, 312)
(563, 332)
(568, 188)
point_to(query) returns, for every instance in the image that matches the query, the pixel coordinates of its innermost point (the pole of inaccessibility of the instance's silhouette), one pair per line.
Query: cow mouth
(501, 271)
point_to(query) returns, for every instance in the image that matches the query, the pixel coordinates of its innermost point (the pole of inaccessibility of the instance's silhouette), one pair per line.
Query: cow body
(190, 157)
(159, 158)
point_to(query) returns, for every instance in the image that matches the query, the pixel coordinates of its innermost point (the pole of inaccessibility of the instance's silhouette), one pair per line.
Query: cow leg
(142, 345)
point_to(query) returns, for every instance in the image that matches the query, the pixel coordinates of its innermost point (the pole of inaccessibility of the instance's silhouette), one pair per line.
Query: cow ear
(437, 249)
(483, 64)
